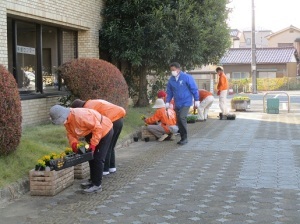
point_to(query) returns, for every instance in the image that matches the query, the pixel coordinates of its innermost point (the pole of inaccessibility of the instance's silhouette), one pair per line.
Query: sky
(271, 15)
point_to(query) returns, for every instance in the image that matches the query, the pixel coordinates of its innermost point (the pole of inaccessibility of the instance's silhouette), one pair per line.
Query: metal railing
(278, 92)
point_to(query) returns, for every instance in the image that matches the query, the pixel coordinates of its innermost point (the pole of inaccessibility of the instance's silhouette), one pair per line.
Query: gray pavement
(241, 171)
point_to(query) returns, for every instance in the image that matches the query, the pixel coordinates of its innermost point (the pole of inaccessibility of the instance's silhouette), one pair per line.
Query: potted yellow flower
(240, 103)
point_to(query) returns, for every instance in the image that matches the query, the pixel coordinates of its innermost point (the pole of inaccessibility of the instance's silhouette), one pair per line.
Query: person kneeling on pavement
(163, 123)
(82, 122)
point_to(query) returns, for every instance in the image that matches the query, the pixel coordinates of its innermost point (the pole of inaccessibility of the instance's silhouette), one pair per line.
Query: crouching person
(80, 122)
(206, 101)
(115, 114)
(163, 123)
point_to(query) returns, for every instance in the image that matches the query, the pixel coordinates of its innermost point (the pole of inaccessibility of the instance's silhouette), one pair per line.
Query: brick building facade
(38, 36)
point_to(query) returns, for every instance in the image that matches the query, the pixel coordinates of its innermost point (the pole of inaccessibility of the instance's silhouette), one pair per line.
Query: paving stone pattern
(242, 171)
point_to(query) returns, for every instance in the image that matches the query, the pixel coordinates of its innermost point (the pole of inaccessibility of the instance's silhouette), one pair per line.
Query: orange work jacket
(223, 82)
(112, 111)
(203, 94)
(166, 118)
(82, 121)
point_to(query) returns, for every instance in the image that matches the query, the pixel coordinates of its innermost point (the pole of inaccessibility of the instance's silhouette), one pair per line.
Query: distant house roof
(234, 32)
(283, 30)
(263, 56)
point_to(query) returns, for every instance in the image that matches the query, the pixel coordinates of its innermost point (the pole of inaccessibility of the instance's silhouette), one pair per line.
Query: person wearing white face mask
(184, 89)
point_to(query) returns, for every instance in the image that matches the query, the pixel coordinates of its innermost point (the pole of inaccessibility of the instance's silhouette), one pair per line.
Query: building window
(34, 53)
(240, 75)
(285, 44)
(266, 74)
(248, 41)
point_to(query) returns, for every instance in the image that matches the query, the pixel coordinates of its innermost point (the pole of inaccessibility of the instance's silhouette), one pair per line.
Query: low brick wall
(36, 111)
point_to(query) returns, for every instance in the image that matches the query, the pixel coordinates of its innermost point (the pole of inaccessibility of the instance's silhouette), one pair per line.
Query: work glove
(167, 105)
(197, 104)
(219, 92)
(74, 147)
(92, 148)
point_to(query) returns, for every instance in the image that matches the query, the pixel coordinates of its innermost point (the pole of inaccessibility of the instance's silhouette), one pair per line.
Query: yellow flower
(62, 155)
(41, 163)
(68, 150)
(46, 158)
(80, 144)
(52, 155)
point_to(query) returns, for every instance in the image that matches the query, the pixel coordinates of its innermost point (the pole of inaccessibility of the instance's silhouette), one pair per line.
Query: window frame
(39, 56)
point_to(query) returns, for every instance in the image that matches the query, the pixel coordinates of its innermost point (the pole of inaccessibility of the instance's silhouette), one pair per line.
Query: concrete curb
(21, 187)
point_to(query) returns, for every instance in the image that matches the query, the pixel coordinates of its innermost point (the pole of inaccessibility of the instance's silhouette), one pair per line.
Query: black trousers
(96, 164)
(110, 160)
(181, 116)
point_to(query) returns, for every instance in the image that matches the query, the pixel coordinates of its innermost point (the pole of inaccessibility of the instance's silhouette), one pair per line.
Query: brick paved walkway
(242, 171)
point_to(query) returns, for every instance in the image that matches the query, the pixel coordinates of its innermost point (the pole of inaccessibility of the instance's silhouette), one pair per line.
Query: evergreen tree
(140, 36)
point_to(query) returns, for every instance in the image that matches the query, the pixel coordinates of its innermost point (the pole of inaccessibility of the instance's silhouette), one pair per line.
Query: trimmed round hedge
(10, 113)
(92, 78)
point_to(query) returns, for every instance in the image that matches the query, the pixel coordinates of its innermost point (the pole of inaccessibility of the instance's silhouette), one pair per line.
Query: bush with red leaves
(92, 78)
(10, 113)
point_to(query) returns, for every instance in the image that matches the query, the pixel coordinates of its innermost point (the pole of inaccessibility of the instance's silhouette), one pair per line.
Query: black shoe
(182, 142)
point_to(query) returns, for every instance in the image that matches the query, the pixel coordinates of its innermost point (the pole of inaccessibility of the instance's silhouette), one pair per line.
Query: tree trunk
(143, 84)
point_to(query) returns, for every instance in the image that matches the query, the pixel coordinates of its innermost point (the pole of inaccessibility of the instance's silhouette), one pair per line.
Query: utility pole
(253, 47)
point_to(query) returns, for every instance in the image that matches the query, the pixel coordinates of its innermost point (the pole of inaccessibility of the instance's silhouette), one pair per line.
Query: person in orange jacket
(163, 123)
(115, 114)
(206, 100)
(222, 90)
(82, 122)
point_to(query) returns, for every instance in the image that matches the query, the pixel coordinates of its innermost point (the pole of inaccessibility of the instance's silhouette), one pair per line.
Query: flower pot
(135, 139)
(82, 171)
(49, 183)
(147, 139)
(240, 105)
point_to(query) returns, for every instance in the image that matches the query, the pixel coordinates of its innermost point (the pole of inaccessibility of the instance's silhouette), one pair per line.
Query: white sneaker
(105, 173)
(92, 189)
(172, 138)
(112, 170)
(163, 137)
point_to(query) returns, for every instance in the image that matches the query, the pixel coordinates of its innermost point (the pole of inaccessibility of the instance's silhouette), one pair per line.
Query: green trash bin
(273, 106)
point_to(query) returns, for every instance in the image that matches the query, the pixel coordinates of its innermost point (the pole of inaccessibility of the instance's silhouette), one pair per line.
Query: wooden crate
(82, 171)
(146, 133)
(49, 183)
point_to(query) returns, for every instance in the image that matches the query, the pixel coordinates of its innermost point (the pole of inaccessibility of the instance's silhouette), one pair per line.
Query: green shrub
(11, 115)
(92, 78)
(272, 84)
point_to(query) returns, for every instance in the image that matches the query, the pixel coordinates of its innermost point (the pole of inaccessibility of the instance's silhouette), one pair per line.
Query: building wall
(289, 69)
(292, 69)
(260, 39)
(284, 37)
(81, 15)
(36, 111)
(3, 35)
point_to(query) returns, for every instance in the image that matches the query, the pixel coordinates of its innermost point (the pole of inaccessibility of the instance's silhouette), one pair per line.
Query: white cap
(159, 103)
